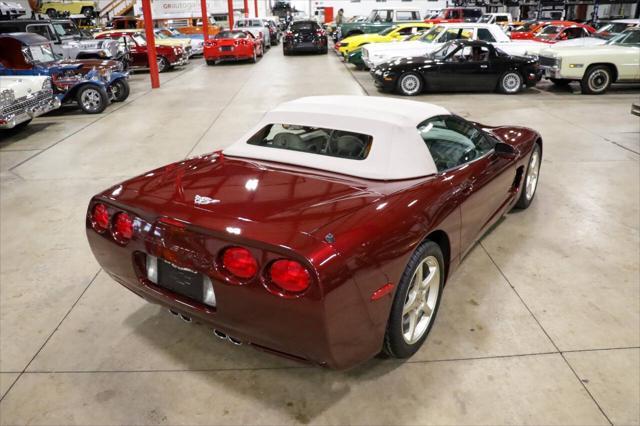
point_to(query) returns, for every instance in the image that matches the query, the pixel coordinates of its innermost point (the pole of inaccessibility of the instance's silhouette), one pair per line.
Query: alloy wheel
(531, 181)
(91, 99)
(511, 82)
(410, 84)
(421, 300)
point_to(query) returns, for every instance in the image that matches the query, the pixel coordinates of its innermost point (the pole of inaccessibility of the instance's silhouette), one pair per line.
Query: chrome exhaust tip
(174, 313)
(234, 340)
(219, 334)
(185, 318)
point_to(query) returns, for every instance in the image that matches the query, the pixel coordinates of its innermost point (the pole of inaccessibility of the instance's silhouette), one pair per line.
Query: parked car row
(476, 56)
(22, 98)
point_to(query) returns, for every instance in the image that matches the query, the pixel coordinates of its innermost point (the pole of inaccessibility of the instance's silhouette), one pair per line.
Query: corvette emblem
(202, 200)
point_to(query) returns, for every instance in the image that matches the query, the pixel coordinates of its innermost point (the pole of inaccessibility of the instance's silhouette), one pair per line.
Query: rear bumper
(310, 46)
(10, 120)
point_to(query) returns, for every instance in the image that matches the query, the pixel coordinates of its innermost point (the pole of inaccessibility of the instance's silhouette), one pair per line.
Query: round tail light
(100, 218)
(122, 227)
(239, 262)
(289, 276)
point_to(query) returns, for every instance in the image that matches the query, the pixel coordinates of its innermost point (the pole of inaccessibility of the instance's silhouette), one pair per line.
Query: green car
(355, 58)
(378, 20)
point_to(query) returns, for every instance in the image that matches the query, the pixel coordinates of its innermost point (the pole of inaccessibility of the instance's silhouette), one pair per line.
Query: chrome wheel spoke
(421, 299)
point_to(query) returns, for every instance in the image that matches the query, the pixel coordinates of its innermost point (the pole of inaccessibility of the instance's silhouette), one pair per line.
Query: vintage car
(460, 65)
(196, 40)
(24, 98)
(68, 7)
(376, 54)
(91, 84)
(11, 10)
(603, 33)
(554, 33)
(456, 15)
(159, 38)
(163, 39)
(305, 36)
(255, 26)
(135, 43)
(502, 19)
(530, 29)
(393, 33)
(326, 233)
(66, 39)
(595, 67)
(378, 20)
(233, 45)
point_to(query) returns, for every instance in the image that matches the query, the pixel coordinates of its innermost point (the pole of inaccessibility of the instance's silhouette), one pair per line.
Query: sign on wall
(167, 9)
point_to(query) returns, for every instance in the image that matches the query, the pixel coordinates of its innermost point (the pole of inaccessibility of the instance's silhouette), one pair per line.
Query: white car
(256, 27)
(10, 10)
(22, 98)
(596, 67)
(603, 34)
(496, 18)
(377, 53)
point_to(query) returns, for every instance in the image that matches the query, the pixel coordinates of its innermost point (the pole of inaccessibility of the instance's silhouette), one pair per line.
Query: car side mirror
(504, 150)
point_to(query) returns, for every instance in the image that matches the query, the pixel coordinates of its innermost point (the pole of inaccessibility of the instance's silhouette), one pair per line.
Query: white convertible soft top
(397, 151)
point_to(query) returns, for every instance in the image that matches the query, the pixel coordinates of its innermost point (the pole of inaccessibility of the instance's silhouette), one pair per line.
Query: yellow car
(394, 33)
(160, 39)
(76, 7)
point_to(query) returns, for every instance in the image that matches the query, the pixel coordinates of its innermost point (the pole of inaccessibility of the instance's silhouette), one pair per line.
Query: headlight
(7, 97)
(46, 84)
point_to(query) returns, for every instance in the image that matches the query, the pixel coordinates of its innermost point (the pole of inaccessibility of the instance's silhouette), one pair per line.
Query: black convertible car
(304, 36)
(460, 65)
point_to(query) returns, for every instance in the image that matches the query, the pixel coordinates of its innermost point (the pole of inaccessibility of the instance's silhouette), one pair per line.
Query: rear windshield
(304, 26)
(231, 34)
(315, 140)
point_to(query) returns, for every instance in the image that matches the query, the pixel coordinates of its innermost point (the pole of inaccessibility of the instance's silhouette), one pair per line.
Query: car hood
(365, 38)
(583, 51)
(584, 41)
(246, 192)
(88, 64)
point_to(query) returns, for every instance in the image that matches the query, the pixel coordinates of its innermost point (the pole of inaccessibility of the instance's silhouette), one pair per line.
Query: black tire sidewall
(124, 90)
(394, 344)
(165, 64)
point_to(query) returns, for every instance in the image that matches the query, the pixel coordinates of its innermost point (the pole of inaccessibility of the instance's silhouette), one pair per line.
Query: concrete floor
(540, 326)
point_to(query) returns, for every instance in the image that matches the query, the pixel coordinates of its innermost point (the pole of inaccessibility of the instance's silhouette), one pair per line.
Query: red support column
(255, 5)
(246, 8)
(151, 44)
(205, 20)
(230, 8)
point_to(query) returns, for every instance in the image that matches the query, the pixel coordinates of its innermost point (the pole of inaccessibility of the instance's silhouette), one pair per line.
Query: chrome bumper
(183, 60)
(12, 119)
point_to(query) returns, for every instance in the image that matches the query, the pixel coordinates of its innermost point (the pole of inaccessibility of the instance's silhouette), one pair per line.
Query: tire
(560, 81)
(119, 90)
(324, 51)
(91, 99)
(163, 64)
(210, 62)
(596, 80)
(87, 11)
(530, 181)
(254, 59)
(510, 83)
(286, 52)
(51, 13)
(401, 339)
(410, 84)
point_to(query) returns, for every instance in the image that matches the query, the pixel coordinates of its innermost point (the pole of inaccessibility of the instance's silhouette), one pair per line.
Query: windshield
(39, 54)
(549, 29)
(524, 28)
(65, 29)
(628, 37)
(444, 51)
(432, 34)
(139, 39)
(161, 35)
(231, 34)
(612, 28)
(485, 19)
(388, 30)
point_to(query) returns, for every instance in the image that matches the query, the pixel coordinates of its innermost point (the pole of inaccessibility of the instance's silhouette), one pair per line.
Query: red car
(529, 30)
(456, 14)
(233, 45)
(324, 235)
(135, 42)
(555, 33)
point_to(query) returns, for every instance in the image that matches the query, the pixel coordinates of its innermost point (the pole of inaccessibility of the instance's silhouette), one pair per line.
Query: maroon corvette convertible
(326, 234)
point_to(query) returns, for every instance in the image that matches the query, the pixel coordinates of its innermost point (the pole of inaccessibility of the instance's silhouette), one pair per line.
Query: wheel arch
(609, 65)
(441, 238)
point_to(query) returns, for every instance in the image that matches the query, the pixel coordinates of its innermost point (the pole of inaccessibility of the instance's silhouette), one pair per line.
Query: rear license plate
(226, 48)
(182, 281)
(307, 44)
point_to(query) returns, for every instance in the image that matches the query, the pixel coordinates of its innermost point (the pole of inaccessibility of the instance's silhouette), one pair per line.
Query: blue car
(90, 83)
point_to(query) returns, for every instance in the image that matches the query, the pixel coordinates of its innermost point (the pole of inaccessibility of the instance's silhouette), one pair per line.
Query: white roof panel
(397, 152)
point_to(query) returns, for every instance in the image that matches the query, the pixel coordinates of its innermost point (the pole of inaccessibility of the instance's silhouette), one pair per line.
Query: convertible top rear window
(314, 140)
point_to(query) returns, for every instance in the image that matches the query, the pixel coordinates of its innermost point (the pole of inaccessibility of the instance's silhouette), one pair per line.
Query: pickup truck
(378, 20)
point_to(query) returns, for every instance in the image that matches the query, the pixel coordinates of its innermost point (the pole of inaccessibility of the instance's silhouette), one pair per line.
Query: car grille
(545, 61)
(27, 103)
